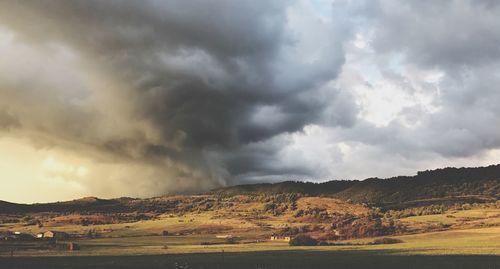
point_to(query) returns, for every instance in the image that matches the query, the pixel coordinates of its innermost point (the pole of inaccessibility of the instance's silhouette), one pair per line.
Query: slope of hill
(309, 188)
(12, 207)
(474, 184)
(482, 183)
(448, 185)
(83, 204)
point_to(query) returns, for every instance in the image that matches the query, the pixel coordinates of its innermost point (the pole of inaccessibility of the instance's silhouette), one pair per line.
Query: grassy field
(485, 241)
(473, 248)
(456, 219)
(461, 239)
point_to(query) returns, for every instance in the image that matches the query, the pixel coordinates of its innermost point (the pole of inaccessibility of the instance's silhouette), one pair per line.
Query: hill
(308, 188)
(441, 186)
(474, 184)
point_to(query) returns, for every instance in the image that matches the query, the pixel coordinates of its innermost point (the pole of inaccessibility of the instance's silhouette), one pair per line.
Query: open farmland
(192, 240)
(283, 225)
(449, 249)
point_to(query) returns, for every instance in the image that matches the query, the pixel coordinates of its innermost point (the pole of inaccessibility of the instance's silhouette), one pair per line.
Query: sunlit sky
(146, 98)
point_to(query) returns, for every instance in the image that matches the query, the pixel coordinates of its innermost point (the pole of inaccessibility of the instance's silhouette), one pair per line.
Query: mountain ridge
(473, 184)
(428, 184)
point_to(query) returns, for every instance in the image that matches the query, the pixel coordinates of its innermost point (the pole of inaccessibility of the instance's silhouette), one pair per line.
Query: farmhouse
(280, 238)
(55, 235)
(224, 236)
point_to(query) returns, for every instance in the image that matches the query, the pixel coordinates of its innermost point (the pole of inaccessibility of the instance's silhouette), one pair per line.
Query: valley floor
(471, 248)
(235, 233)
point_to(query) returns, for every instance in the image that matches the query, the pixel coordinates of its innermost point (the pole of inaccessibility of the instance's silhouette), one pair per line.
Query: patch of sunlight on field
(478, 213)
(441, 218)
(171, 223)
(453, 217)
(485, 241)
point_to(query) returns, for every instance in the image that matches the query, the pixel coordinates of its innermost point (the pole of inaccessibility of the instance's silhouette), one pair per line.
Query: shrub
(298, 213)
(323, 243)
(231, 240)
(386, 240)
(303, 240)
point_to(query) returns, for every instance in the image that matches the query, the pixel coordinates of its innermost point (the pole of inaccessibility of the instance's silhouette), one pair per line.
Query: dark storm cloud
(188, 95)
(205, 79)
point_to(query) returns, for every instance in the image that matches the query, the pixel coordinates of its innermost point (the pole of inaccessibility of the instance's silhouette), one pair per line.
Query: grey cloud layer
(460, 39)
(207, 93)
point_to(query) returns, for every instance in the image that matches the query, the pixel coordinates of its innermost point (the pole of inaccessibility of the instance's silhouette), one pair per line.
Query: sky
(149, 98)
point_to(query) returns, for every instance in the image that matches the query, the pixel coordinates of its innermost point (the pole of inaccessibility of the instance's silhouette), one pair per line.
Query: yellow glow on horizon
(29, 175)
(52, 165)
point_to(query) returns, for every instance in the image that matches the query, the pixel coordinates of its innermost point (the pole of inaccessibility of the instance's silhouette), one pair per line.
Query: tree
(303, 240)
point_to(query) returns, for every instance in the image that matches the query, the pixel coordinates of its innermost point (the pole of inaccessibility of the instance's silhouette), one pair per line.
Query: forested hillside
(474, 184)
(441, 186)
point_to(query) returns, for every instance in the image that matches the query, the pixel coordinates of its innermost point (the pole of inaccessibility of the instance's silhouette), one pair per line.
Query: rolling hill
(443, 186)
(474, 184)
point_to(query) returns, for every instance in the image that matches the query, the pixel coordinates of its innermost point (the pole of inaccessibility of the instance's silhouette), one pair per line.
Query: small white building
(55, 234)
(224, 236)
(280, 238)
